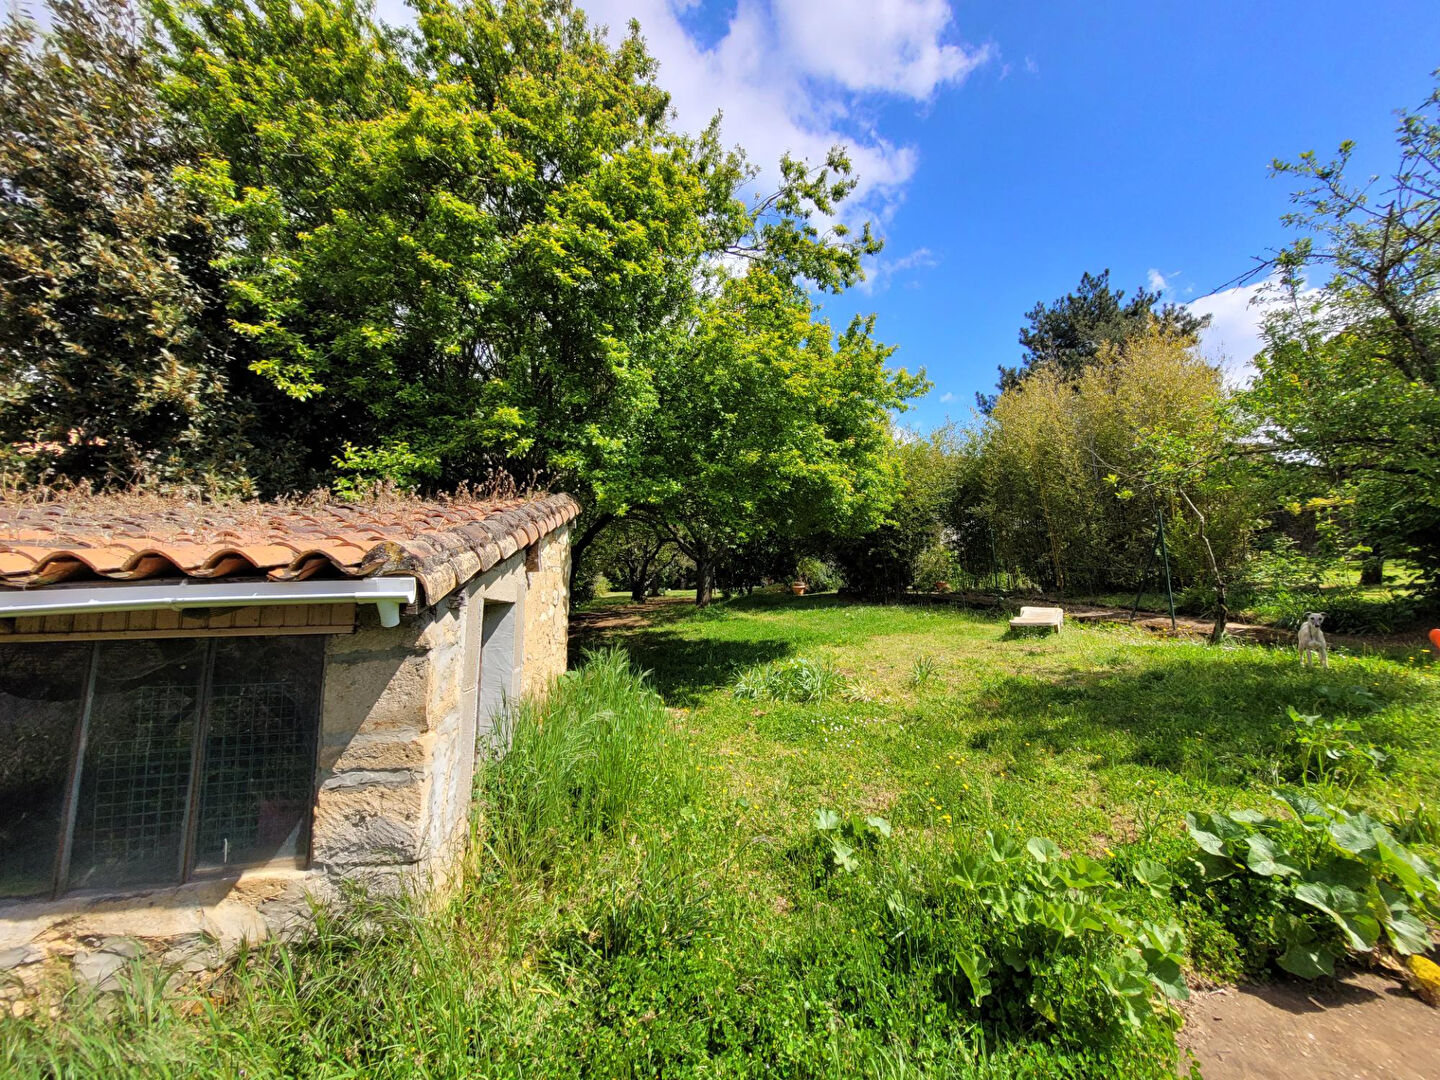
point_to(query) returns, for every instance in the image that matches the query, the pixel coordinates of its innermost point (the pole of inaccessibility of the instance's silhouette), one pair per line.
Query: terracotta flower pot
(798, 588)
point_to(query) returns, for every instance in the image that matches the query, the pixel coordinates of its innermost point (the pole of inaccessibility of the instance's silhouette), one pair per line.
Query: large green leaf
(1213, 867)
(1409, 870)
(1406, 932)
(1043, 850)
(1403, 927)
(1154, 877)
(879, 824)
(1212, 831)
(976, 966)
(1003, 847)
(1308, 961)
(1268, 859)
(975, 872)
(1125, 977)
(1347, 908)
(1353, 835)
(1308, 809)
(1083, 872)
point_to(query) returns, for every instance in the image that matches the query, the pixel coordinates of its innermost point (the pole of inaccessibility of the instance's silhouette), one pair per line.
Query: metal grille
(258, 772)
(183, 754)
(137, 777)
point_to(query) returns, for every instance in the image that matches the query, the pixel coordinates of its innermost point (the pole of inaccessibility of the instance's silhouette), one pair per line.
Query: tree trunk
(1372, 572)
(1222, 608)
(1222, 613)
(640, 580)
(579, 543)
(704, 582)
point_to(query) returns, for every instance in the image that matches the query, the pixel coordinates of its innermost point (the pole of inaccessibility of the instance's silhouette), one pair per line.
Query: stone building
(209, 715)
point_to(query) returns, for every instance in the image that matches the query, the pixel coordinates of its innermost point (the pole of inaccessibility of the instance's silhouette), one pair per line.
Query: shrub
(1024, 938)
(1331, 882)
(818, 574)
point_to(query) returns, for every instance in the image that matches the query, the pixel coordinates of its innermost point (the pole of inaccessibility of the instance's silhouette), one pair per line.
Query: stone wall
(547, 610)
(396, 746)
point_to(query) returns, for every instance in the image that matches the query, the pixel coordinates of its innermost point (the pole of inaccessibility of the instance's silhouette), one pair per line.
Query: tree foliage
(1073, 470)
(768, 423)
(883, 562)
(1068, 334)
(420, 256)
(1348, 392)
(113, 360)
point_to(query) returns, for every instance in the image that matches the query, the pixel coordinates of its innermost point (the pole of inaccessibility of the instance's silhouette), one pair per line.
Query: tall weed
(582, 761)
(799, 679)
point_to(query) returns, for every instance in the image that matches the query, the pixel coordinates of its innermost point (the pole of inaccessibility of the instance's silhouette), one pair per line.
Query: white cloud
(1156, 281)
(1233, 337)
(947, 397)
(880, 272)
(794, 76)
(892, 46)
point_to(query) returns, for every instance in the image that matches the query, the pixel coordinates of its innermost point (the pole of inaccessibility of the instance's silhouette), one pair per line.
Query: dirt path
(1159, 622)
(1361, 1027)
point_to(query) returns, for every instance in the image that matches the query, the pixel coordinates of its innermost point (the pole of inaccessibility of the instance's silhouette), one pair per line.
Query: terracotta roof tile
(443, 544)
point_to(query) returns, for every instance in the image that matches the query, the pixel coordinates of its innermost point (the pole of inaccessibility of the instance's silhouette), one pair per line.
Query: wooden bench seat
(1047, 617)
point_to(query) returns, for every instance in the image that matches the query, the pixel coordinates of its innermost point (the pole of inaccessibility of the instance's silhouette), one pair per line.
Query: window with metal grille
(145, 762)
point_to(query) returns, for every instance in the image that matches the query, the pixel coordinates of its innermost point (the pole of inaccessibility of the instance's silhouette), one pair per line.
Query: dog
(1311, 640)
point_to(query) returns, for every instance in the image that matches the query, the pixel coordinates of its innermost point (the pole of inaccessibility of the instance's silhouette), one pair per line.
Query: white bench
(1049, 617)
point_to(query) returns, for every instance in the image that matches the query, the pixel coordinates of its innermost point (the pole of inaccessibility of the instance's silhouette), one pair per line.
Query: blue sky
(1004, 148)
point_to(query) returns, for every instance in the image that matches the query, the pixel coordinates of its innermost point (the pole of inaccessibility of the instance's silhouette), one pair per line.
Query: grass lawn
(719, 882)
(1091, 737)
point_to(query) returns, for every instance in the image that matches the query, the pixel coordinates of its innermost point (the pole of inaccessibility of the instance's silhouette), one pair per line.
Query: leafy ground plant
(1337, 881)
(923, 672)
(1333, 752)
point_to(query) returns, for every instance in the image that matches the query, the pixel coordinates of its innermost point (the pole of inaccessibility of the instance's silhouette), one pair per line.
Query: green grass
(649, 894)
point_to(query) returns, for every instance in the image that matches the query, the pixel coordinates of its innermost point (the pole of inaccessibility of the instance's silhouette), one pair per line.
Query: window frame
(186, 870)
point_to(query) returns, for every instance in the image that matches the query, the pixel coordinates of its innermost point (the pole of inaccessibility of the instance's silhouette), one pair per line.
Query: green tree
(1067, 334)
(467, 247)
(883, 562)
(769, 425)
(453, 244)
(1348, 390)
(1074, 469)
(114, 359)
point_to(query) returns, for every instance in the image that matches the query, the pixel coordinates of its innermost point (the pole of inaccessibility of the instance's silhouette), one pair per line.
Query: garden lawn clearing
(1097, 737)
(835, 839)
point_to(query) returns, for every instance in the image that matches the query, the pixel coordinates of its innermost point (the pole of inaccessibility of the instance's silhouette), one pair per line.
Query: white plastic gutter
(386, 593)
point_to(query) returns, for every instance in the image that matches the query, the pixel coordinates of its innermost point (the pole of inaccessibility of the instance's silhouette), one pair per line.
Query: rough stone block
(375, 694)
(379, 821)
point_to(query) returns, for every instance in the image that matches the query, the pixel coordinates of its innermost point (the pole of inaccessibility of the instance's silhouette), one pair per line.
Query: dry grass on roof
(202, 516)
